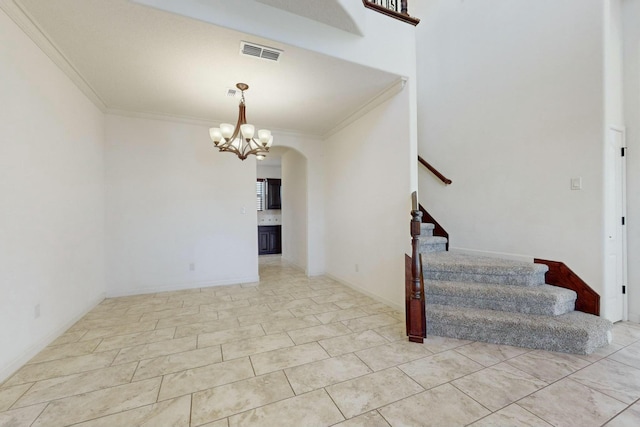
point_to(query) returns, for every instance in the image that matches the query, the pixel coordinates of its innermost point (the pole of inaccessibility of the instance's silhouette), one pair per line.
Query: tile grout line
(334, 403)
(40, 414)
(292, 282)
(621, 412)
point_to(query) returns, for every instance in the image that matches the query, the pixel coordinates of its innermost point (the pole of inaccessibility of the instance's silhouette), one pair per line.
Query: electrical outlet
(36, 311)
(192, 267)
(357, 268)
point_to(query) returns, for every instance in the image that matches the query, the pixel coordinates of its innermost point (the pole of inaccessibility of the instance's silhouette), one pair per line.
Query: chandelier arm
(240, 151)
(258, 149)
(228, 144)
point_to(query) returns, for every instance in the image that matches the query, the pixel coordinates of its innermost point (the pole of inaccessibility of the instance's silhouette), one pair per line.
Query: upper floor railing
(395, 8)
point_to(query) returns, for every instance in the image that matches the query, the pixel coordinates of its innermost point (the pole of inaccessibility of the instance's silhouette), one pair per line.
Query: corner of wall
(37, 346)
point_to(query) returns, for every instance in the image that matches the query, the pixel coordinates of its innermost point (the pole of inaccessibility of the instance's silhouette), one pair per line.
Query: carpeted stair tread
(541, 300)
(574, 332)
(433, 239)
(454, 266)
(502, 301)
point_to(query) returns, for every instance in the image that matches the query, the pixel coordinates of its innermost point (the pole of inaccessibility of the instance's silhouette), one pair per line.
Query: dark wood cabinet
(269, 239)
(273, 193)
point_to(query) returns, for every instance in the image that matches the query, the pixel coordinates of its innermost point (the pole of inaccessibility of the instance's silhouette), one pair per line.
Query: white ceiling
(329, 12)
(142, 60)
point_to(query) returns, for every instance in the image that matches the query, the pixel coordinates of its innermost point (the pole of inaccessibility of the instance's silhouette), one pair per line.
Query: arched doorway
(289, 166)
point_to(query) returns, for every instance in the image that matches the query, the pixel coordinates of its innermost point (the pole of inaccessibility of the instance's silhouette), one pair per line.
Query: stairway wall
(511, 107)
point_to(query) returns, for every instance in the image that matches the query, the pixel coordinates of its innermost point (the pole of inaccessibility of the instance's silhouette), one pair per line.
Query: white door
(615, 236)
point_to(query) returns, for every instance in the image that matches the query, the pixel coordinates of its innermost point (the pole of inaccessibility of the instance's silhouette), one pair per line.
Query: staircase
(503, 302)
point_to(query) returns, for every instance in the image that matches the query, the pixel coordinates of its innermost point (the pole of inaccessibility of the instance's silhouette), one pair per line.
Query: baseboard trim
(181, 286)
(296, 265)
(378, 298)
(634, 317)
(38, 346)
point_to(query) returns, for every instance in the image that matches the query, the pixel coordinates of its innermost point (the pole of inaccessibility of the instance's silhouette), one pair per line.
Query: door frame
(623, 202)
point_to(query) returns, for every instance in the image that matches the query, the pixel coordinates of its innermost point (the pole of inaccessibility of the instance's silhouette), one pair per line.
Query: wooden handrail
(434, 171)
(391, 9)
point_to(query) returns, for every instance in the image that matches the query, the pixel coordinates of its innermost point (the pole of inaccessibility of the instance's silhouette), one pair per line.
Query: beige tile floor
(298, 351)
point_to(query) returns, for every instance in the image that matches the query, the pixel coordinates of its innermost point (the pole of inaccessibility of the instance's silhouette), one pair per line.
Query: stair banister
(390, 8)
(415, 302)
(434, 171)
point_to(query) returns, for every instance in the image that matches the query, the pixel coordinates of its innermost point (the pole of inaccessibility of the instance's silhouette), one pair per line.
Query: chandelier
(240, 139)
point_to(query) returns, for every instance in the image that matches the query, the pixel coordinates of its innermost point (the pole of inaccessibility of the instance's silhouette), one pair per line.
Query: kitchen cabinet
(269, 239)
(273, 194)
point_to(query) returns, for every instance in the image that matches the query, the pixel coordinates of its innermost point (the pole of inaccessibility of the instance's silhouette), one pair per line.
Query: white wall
(313, 150)
(367, 193)
(294, 209)
(269, 171)
(174, 201)
(613, 46)
(511, 108)
(631, 54)
(51, 200)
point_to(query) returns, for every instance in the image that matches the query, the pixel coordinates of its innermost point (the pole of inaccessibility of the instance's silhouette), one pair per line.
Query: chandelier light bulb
(227, 130)
(216, 135)
(247, 131)
(264, 136)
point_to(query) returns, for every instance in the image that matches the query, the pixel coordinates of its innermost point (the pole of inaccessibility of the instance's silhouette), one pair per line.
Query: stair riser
(502, 301)
(426, 229)
(518, 306)
(537, 339)
(432, 247)
(516, 280)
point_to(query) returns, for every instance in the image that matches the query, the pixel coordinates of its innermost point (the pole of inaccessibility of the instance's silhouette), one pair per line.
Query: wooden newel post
(415, 301)
(416, 220)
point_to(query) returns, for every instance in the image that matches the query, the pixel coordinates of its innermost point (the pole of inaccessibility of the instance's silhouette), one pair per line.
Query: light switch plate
(576, 183)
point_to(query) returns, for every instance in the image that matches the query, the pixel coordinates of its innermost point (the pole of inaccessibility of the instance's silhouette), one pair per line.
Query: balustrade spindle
(394, 8)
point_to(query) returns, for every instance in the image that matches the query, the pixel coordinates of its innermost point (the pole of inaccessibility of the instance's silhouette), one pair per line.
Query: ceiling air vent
(257, 51)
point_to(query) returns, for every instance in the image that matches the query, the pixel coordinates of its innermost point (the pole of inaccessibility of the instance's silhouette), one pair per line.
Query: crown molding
(197, 121)
(27, 24)
(397, 87)
(163, 117)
